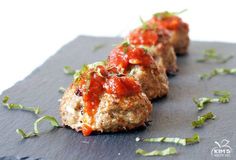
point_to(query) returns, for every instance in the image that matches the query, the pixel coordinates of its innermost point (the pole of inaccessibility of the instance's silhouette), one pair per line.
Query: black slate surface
(172, 116)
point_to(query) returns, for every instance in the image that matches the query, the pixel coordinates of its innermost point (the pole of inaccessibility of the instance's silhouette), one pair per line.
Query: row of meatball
(114, 95)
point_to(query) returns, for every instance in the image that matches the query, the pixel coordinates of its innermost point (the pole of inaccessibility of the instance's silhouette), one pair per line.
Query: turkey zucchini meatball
(137, 62)
(158, 43)
(178, 30)
(98, 101)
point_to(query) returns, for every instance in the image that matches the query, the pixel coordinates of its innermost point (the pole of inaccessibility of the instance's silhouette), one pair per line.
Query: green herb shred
(98, 47)
(51, 119)
(36, 132)
(201, 119)
(211, 54)
(218, 71)
(35, 110)
(167, 14)
(61, 90)
(78, 74)
(25, 135)
(222, 97)
(144, 24)
(165, 152)
(69, 70)
(182, 141)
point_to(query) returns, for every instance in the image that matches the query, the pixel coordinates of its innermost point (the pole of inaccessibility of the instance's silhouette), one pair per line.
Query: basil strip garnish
(165, 152)
(182, 141)
(211, 54)
(10, 106)
(218, 71)
(36, 132)
(223, 97)
(201, 119)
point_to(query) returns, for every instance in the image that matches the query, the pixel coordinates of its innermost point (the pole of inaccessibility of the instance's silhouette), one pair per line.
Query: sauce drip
(86, 130)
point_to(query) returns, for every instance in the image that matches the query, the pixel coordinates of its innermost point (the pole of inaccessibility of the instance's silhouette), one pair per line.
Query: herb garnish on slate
(98, 47)
(36, 132)
(35, 110)
(61, 90)
(181, 141)
(223, 97)
(218, 71)
(202, 119)
(212, 55)
(69, 70)
(165, 152)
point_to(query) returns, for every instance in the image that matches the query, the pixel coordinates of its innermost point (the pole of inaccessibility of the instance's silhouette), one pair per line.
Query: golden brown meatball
(158, 43)
(137, 62)
(98, 101)
(153, 80)
(178, 30)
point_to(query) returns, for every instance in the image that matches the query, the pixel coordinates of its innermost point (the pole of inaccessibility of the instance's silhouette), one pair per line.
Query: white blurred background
(33, 30)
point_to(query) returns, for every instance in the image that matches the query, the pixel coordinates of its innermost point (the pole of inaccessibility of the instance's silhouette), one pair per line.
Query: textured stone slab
(172, 116)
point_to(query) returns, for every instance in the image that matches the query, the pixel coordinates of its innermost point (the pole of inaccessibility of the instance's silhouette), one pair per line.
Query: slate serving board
(171, 116)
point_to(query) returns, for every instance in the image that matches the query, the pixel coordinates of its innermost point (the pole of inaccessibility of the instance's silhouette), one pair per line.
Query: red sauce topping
(142, 36)
(118, 57)
(94, 82)
(170, 22)
(91, 96)
(91, 86)
(123, 56)
(122, 86)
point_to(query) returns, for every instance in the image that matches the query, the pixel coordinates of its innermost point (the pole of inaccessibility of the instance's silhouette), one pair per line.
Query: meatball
(98, 101)
(158, 43)
(178, 30)
(137, 62)
(153, 80)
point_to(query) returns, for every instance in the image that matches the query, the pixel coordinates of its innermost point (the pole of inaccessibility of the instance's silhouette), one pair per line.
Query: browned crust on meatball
(153, 80)
(180, 40)
(114, 114)
(118, 114)
(70, 108)
(166, 52)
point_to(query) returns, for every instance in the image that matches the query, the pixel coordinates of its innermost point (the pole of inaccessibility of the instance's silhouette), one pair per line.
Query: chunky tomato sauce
(97, 81)
(170, 23)
(141, 36)
(123, 56)
(122, 86)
